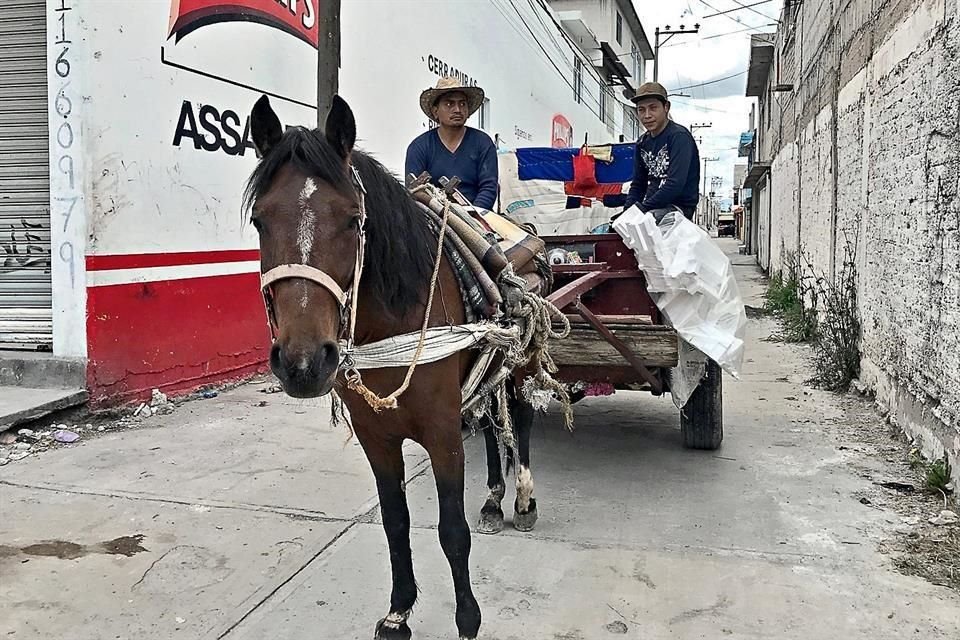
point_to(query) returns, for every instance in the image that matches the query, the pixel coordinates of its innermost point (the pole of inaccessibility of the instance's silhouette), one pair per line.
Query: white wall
(894, 142)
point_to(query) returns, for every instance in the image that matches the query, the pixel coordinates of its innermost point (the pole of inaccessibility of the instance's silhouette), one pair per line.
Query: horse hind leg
(491, 513)
(525, 507)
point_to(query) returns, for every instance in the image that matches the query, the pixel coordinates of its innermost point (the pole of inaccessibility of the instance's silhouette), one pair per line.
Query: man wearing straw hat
(453, 149)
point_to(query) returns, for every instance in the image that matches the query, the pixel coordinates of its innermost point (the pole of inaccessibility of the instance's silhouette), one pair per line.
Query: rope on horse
(355, 381)
(521, 333)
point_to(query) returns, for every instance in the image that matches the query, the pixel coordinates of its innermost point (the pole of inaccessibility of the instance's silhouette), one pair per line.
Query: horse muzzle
(305, 373)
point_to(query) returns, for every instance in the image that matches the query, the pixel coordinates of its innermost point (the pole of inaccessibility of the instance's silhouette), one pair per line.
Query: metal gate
(25, 286)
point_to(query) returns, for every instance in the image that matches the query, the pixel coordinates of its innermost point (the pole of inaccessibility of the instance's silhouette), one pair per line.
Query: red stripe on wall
(146, 260)
(174, 335)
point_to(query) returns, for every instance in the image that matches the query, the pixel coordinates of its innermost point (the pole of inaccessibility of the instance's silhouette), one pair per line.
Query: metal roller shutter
(25, 287)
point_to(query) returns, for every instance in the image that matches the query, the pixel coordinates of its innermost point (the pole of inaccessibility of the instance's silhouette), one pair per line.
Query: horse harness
(346, 300)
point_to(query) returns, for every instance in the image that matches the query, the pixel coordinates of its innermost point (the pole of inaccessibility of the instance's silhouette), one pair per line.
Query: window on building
(577, 79)
(481, 119)
(635, 63)
(607, 105)
(619, 28)
(603, 103)
(631, 126)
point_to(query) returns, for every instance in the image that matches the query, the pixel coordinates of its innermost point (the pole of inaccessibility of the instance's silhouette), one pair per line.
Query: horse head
(306, 209)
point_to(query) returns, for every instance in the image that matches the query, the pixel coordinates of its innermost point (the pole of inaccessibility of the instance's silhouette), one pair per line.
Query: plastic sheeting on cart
(692, 283)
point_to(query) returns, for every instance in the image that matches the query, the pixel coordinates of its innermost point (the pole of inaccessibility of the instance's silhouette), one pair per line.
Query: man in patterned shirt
(666, 170)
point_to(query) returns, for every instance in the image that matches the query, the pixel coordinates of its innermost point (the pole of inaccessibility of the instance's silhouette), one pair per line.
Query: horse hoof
(392, 631)
(525, 521)
(491, 522)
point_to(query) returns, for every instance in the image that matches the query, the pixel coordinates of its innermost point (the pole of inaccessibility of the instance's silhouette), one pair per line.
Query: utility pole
(703, 125)
(657, 43)
(328, 57)
(705, 161)
(715, 183)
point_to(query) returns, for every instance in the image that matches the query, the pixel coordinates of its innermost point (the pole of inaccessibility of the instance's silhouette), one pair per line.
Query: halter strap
(305, 271)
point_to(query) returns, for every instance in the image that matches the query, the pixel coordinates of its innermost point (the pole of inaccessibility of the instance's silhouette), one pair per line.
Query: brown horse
(310, 197)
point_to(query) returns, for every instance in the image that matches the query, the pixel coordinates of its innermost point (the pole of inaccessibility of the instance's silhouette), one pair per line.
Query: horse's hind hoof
(525, 521)
(491, 521)
(392, 631)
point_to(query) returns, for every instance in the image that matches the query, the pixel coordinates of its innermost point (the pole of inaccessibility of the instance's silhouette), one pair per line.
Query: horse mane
(401, 247)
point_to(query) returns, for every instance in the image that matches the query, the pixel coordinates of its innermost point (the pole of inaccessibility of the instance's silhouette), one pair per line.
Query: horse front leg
(447, 459)
(525, 507)
(388, 469)
(491, 513)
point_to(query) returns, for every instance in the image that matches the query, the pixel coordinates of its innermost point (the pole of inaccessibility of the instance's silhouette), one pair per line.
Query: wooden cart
(618, 335)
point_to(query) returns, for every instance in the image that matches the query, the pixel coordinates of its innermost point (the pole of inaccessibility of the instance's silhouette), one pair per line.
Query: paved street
(262, 522)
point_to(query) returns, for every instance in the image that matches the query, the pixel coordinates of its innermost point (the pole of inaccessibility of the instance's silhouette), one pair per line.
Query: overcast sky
(716, 52)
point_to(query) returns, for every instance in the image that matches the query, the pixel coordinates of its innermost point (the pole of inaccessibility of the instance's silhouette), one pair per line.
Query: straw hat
(430, 96)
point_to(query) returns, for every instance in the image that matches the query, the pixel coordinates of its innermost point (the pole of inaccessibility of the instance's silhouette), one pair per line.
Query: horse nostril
(276, 357)
(327, 357)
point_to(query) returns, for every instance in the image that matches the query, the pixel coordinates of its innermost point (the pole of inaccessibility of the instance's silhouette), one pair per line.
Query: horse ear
(341, 127)
(265, 126)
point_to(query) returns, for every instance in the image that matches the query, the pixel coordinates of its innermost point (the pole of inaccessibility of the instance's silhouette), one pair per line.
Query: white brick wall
(897, 128)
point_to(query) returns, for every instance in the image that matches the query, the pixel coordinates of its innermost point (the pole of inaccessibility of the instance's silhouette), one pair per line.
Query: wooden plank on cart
(654, 346)
(612, 320)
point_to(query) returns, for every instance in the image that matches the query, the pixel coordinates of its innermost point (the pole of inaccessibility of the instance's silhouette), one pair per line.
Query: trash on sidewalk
(66, 436)
(158, 398)
(29, 434)
(143, 411)
(691, 281)
(209, 394)
(8, 437)
(273, 388)
(946, 517)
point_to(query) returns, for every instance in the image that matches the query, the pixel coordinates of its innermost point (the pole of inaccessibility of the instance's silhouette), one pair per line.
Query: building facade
(610, 35)
(126, 146)
(856, 163)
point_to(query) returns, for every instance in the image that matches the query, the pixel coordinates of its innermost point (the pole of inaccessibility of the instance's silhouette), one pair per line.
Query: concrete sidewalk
(228, 519)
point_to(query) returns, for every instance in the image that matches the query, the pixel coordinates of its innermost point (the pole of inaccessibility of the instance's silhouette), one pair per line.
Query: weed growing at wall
(822, 311)
(836, 343)
(786, 296)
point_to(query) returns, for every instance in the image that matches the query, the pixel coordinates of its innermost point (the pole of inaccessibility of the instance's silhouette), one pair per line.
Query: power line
(702, 108)
(755, 11)
(741, 8)
(727, 15)
(721, 35)
(703, 84)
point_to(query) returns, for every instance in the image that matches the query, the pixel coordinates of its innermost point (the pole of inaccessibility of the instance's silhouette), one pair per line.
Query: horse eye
(256, 224)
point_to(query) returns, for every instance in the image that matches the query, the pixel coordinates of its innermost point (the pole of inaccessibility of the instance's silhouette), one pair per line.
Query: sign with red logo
(562, 132)
(296, 17)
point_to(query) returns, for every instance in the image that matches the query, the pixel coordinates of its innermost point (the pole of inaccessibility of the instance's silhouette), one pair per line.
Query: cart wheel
(701, 420)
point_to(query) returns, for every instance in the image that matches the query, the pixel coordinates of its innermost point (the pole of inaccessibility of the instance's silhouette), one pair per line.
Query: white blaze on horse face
(524, 488)
(306, 230)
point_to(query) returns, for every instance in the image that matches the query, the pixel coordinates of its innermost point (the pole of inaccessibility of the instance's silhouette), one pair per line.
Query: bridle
(346, 300)
(347, 303)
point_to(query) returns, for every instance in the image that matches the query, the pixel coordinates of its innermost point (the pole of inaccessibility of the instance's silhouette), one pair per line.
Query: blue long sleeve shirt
(474, 162)
(666, 171)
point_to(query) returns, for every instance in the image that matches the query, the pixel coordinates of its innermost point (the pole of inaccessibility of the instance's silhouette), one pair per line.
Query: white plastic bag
(692, 283)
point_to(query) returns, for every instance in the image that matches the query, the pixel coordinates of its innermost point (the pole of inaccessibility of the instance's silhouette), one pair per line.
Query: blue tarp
(544, 163)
